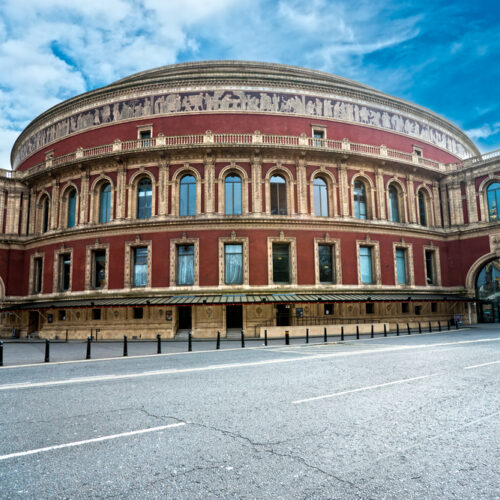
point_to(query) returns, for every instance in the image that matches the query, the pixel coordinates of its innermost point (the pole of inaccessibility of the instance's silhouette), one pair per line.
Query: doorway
(234, 317)
(34, 321)
(185, 318)
(282, 315)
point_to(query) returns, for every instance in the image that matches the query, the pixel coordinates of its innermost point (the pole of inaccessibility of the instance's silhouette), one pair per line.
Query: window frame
(130, 247)
(375, 261)
(336, 258)
(436, 263)
(174, 243)
(58, 268)
(233, 239)
(90, 266)
(179, 201)
(138, 181)
(226, 183)
(410, 273)
(36, 279)
(368, 187)
(292, 260)
(497, 201)
(320, 188)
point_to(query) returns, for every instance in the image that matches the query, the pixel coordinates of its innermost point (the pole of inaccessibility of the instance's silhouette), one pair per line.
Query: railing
(479, 159)
(256, 138)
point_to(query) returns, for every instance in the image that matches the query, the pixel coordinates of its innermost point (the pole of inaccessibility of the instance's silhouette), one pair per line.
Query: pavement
(390, 417)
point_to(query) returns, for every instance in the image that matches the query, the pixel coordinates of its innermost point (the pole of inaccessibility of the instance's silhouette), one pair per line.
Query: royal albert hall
(227, 195)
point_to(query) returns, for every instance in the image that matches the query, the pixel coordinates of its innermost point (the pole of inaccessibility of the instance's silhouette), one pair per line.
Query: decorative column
(33, 211)
(25, 221)
(411, 199)
(470, 189)
(456, 210)
(121, 193)
(444, 204)
(54, 219)
(256, 184)
(2, 208)
(301, 186)
(13, 211)
(379, 183)
(84, 197)
(209, 177)
(343, 190)
(163, 187)
(437, 206)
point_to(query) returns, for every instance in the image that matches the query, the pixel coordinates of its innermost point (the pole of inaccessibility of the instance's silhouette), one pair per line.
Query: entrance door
(282, 315)
(185, 318)
(33, 322)
(234, 317)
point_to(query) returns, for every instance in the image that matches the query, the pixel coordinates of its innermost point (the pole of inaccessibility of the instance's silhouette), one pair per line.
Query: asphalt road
(398, 417)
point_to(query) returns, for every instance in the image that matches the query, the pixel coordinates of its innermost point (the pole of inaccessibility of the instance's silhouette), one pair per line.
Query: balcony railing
(209, 139)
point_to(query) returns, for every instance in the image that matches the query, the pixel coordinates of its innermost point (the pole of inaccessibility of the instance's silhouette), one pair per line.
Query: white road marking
(367, 388)
(483, 364)
(87, 441)
(173, 371)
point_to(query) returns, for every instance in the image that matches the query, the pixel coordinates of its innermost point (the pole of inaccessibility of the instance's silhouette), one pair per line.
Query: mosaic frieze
(224, 100)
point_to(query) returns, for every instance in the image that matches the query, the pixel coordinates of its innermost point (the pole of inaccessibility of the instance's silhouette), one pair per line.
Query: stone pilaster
(209, 166)
(2, 208)
(13, 211)
(411, 199)
(84, 197)
(343, 191)
(456, 210)
(437, 210)
(471, 198)
(54, 219)
(256, 185)
(301, 187)
(379, 185)
(121, 193)
(163, 187)
(25, 221)
(32, 216)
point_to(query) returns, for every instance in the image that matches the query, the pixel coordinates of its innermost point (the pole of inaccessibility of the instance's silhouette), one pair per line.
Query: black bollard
(325, 338)
(242, 338)
(1, 353)
(357, 332)
(89, 340)
(287, 338)
(307, 335)
(371, 332)
(265, 337)
(342, 332)
(408, 328)
(47, 350)
(430, 327)
(158, 344)
(448, 324)
(217, 344)
(125, 346)
(190, 341)
(419, 327)
(397, 329)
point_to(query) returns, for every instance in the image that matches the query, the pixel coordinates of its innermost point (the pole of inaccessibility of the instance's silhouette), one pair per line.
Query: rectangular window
(405, 307)
(38, 274)
(370, 308)
(138, 312)
(64, 272)
(429, 267)
(434, 307)
(325, 259)
(185, 264)
(62, 315)
(418, 310)
(328, 309)
(96, 314)
(366, 265)
(144, 135)
(99, 268)
(281, 263)
(140, 277)
(401, 266)
(319, 136)
(233, 263)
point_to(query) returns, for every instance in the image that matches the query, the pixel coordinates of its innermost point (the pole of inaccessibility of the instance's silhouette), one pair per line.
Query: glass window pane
(493, 195)
(320, 191)
(278, 195)
(105, 203)
(422, 208)
(429, 266)
(144, 199)
(359, 200)
(394, 204)
(233, 260)
(187, 201)
(365, 264)
(99, 268)
(401, 266)
(45, 215)
(71, 208)
(325, 263)
(185, 265)
(65, 270)
(140, 266)
(233, 195)
(281, 263)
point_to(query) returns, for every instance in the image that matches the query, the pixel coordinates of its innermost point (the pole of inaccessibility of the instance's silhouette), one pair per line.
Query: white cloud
(484, 132)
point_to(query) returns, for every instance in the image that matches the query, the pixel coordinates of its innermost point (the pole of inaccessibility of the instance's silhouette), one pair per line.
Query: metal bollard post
(397, 329)
(287, 338)
(125, 346)
(419, 327)
(430, 327)
(190, 341)
(265, 337)
(1, 353)
(325, 338)
(158, 344)
(371, 332)
(439, 325)
(408, 328)
(217, 344)
(307, 335)
(66, 334)
(342, 332)
(357, 332)
(47, 350)
(242, 338)
(448, 324)
(385, 330)
(89, 340)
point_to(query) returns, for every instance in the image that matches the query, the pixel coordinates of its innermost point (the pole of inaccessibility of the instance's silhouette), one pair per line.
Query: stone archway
(487, 287)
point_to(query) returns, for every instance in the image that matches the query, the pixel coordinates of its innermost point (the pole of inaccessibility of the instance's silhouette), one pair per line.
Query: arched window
(278, 195)
(394, 204)
(232, 200)
(71, 220)
(488, 292)
(105, 202)
(360, 206)
(45, 205)
(422, 208)
(493, 195)
(144, 198)
(187, 197)
(320, 190)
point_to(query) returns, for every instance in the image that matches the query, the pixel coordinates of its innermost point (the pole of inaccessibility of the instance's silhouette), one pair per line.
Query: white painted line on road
(222, 366)
(481, 365)
(88, 441)
(367, 388)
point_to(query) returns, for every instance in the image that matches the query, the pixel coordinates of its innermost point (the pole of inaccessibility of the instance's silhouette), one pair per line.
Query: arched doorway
(488, 292)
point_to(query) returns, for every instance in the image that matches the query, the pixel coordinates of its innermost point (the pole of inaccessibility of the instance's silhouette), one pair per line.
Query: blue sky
(442, 55)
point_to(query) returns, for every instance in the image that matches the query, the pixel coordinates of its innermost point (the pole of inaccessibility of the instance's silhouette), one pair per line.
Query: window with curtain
(185, 265)
(366, 265)
(401, 266)
(325, 260)
(394, 204)
(45, 214)
(140, 277)
(360, 211)
(422, 207)
(429, 267)
(281, 263)
(493, 195)
(99, 268)
(187, 196)
(278, 195)
(64, 271)
(144, 198)
(105, 203)
(71, 208)
(233, 262)
(320, 190)
(232, 200)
